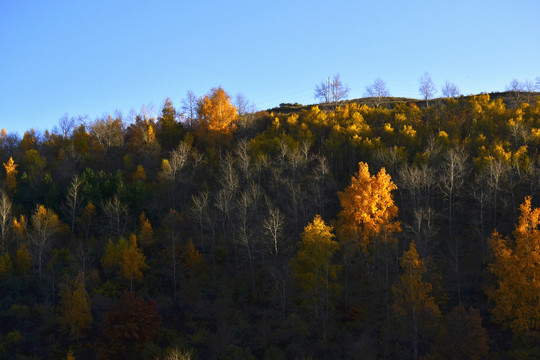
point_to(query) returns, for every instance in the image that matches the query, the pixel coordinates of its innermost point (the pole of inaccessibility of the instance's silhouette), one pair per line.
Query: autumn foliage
(11, 175)
(337, 231)
(126, 258)
(517, 269)
(315, 270)
(217, 118)
(367, 208)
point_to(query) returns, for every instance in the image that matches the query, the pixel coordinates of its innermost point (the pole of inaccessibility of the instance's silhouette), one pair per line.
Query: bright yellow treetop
(217, 117)
(517, 268)
(368, 208)
(11, 174)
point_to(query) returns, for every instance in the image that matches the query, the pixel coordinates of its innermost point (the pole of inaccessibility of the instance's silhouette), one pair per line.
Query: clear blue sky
(95, 57)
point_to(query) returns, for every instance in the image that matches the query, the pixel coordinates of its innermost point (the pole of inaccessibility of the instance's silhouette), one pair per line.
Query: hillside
(398, 231)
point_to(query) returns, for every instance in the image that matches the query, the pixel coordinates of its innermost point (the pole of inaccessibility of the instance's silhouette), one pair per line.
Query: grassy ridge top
(510, 98)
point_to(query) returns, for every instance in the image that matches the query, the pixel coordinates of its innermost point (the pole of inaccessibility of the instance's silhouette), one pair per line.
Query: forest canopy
(395, 230)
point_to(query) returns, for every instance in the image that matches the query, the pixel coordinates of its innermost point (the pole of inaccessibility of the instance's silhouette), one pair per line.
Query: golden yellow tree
(127, 258)
(314, 270)
(517, 269)
(217, 117)
(11, 175)
(75, 309)
(368, 211)
(367, 221)
(413, 304)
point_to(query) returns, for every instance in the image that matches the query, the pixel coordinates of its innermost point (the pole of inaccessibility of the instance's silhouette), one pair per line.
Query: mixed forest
(404, 230)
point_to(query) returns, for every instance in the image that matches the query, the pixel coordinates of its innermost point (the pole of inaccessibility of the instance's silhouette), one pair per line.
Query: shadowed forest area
(342, 231)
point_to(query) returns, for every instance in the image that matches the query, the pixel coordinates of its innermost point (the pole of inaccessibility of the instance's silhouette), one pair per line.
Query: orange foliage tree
(367, 220)
(368, 211)
(11, 175)
(217, 118)
(517, 269)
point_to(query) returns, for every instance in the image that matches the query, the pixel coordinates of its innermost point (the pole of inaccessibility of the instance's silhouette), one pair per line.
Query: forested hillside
(342, 231)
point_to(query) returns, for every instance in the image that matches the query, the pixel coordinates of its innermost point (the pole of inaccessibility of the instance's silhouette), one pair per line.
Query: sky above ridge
(92, 58)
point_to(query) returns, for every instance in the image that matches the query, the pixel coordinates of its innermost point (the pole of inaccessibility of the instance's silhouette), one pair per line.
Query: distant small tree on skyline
(516, 87)
(427, 87)
(450, 90)
(377, 90)
(331, 91)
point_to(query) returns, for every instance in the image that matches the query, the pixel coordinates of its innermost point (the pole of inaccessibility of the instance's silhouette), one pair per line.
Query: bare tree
(417, 181)
(177, 354)
(199, 209)
(242, 104)
(528, 87)
(331, 91)
(172, 225)
(73, 199)
(427, 87)
(451, 181)
(224, 199)
(377, 90)
(319, 176)
(452, 178)
(67, 124)
(224, 203)
(245, 231)
(537, 84)
(450, 90)
(516, 87)
(424, 230)
(45, 224)
(392, 158)
(228, 177)
(178, 159)
(5, 219)
(189, 107)
(108, 132)
(496, 171)
(245, 110)
(273, 226)
(243, 158)
(117, 214)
